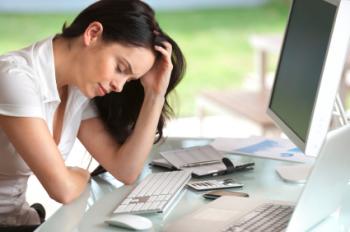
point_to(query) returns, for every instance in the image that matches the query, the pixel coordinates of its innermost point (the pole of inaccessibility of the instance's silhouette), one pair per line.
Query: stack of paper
(200, 160)
(276, 148)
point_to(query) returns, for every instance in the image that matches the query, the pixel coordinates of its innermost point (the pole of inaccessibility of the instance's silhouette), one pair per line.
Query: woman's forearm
(135, 150)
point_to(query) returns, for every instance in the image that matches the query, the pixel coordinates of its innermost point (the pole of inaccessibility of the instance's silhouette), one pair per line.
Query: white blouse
(28, 89)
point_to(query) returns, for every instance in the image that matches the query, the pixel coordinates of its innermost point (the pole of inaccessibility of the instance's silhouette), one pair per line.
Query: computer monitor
(309, 71)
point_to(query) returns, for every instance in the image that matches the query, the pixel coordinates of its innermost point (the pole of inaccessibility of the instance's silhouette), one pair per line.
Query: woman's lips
(103, 90)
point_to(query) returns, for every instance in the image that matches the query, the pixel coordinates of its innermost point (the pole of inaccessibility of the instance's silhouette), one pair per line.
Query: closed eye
(125, 66)
(120, 69)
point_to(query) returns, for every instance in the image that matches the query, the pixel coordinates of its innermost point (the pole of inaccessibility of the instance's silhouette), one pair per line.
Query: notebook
(200, 160)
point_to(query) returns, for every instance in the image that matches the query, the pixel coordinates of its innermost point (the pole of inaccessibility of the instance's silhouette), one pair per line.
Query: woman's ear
(92, 33)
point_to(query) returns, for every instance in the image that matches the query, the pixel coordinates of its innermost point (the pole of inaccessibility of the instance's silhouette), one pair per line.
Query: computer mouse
(130, 221)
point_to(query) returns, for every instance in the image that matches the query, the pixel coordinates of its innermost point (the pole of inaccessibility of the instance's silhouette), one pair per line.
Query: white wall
(77, 5)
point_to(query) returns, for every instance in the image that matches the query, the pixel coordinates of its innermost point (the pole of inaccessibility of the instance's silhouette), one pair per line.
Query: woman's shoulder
(20, 92)
(24, 60)
(17, 72)
(17, 62)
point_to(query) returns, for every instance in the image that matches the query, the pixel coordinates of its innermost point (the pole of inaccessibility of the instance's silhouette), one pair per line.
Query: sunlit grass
(215, 42)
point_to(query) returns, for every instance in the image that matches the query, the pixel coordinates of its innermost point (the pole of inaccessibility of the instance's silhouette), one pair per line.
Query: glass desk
(97, 203)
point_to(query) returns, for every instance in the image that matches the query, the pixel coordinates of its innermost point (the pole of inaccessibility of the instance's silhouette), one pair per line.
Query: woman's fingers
(168, 46)
(165, 51)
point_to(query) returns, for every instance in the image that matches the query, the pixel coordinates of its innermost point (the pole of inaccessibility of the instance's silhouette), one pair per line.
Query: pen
(196, 164)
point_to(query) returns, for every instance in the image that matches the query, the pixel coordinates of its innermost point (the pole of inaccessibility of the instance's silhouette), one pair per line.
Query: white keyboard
(267, 217)
(154, 193)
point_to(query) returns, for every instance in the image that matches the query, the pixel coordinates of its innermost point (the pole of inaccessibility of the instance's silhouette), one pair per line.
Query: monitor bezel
(331, 73)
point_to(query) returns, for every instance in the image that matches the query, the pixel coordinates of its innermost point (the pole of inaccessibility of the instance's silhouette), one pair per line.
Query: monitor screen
(301, 62)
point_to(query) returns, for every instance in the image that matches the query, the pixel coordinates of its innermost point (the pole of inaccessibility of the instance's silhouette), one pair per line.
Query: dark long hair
(131, 23)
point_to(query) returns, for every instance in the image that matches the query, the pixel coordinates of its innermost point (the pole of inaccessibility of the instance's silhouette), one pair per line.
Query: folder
(200, 160)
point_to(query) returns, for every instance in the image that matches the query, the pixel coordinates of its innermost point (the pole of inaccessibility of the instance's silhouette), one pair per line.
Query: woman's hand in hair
(156, 80)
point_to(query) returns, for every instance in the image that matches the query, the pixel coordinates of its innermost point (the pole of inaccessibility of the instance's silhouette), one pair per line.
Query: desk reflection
(104, 193)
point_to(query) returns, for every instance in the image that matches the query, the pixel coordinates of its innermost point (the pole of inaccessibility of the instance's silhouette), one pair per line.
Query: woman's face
(106, 67)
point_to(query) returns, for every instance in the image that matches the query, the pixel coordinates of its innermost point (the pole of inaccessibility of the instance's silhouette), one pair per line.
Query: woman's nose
(117, 86)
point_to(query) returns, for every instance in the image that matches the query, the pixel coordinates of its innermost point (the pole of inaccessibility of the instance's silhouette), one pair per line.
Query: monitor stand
(299, 173)
(294, 173)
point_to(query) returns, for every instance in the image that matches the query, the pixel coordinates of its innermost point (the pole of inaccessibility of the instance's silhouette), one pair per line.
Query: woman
(103, 80)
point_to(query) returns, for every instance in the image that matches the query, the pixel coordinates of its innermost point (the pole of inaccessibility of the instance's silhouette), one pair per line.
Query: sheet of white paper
(199, 170)
(192, 155)
(276, 148)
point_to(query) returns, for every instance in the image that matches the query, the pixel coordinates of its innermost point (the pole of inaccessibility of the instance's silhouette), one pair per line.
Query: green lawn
(215, 42)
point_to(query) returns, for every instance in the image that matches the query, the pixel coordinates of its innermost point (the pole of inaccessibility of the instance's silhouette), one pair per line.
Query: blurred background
(231, 47)
(217, 37)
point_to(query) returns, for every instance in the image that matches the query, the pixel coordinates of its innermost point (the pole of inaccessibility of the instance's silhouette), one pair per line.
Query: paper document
(199, 160)
(272, 148)
(193, 156)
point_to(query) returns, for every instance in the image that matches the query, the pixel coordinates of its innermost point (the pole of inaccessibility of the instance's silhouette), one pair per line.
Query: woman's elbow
(65, 188)
(129, 179)
(66, 194)
(128, 182)
(64, 198)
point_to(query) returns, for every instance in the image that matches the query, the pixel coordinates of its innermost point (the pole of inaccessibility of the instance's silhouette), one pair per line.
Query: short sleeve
(90, 111)
(19, 94)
